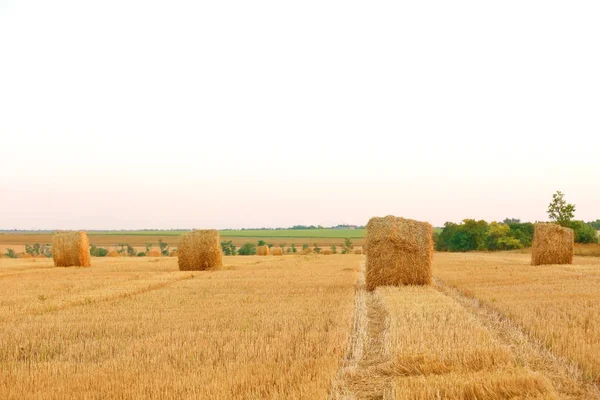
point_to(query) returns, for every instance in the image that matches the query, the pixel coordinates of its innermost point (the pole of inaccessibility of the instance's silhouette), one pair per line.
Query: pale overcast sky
(228, 114)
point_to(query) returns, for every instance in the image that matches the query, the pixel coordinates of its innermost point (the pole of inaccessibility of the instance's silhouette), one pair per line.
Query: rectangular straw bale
(277, 251)
(552, 244)
(71, 249)
(263, 250)
(399, 252)
(200, 250)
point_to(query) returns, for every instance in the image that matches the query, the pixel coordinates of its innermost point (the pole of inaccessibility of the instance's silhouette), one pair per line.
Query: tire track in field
(565, 375)
(25, 271)
(82, 301)
(362, 375)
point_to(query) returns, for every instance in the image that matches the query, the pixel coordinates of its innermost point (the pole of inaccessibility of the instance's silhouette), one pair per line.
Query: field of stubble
(299, 327)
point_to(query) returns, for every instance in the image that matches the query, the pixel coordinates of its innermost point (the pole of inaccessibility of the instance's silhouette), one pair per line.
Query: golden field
(139, 328)
(299, 327)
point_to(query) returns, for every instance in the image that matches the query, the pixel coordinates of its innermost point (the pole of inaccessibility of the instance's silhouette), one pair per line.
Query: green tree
(347, 246)
(294, 249)
(334, 249)
(499, 238)
(471, 235)
(584, 233)
(121, 250)
(164, 248)
(560, 211)
(10, 253)
(262, 243)
(228, 248)
(248, 249)
(317, 249)
(522, 231)
(304, 246)
(130, 251)
(148, 247)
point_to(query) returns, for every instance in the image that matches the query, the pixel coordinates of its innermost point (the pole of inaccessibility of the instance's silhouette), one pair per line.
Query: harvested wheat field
(140, 328)
(490, 327)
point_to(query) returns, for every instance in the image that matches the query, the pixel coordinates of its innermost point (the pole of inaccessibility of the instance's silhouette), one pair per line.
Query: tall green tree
(228, 248)
(560, 211)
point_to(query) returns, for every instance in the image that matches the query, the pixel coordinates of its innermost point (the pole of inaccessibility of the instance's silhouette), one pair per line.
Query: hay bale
(552, 244)
(200, 250)
(327, 252)
(277, 251)
(153, 253)
(173, 253)
(307, 250)
(71, 249)
(113, 253)
(357, 251)
(263, 250)
(399, 252)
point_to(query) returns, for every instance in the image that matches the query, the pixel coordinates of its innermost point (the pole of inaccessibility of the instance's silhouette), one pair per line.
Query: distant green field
(255, 233)
(267, 233)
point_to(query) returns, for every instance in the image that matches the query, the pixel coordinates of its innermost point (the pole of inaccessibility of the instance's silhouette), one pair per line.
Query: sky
(230, 114)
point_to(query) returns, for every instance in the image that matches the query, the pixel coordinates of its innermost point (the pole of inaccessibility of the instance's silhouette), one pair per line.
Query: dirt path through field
(363, 373)
(566, 376)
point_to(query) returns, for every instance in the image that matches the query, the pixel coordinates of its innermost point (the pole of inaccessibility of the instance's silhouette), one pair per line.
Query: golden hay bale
(200, 250)
(400, 252)
(153, 253)
(277, 251)
(552, 244)
(307, 250)
(327, 252)
(263, 250)
(113, 253)
(357, 251)
(71, 249)
(27, 255)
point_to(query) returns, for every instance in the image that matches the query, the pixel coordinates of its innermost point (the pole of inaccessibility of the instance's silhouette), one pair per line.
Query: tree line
(511, 233)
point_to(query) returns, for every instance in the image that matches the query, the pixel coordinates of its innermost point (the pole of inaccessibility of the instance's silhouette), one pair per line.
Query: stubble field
(299, 327)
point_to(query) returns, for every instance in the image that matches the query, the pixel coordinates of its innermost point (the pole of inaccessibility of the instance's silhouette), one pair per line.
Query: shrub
(98, 251)
(141, 254)
(333, 249)
(10, 253)
(317, 249)
(584, 233)
(294, 249)
(228, 248)
(164, 248)
(247, 249)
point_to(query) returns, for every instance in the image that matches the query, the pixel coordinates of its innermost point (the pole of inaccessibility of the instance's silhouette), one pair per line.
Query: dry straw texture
(358, 251)
(174, 253)
(327, 252)
(71, 249)
(552, 244)
(399, 252)
(277, 251)
(153, 253)
(113, 253)
(263, 250)
(200, 250)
